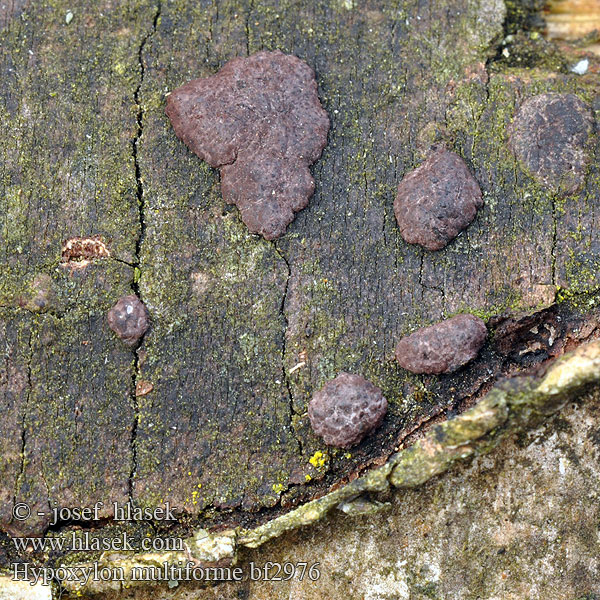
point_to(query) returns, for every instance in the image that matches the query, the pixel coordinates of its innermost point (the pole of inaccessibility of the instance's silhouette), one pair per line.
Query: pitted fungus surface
(549, 136)
(128, 318)
(437, 200)
(443, 347)
(346, 409)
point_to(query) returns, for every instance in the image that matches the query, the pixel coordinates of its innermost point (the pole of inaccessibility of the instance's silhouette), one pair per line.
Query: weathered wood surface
(86, 150)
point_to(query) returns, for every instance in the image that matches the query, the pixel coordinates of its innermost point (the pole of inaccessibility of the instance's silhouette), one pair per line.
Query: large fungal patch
(437, 200)
(443, 347)
(346, 409)
(260, 121)
(549, 136)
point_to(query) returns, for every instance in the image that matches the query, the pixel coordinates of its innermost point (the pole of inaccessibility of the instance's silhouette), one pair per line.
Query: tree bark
(244, 330)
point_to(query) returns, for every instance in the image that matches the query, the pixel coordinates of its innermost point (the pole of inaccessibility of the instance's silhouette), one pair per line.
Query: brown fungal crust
(260, 121)
(549, 135)
(437, 200)
(443, 347)
(128, 318)
(346, 409)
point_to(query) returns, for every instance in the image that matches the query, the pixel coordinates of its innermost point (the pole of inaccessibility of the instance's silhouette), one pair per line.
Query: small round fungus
(346, 409)
(260, 121)
(443, 347)
(128, 318)
(549, 136)
(437, 200)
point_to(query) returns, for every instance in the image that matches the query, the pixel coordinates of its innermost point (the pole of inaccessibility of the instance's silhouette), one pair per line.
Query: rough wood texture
(508, 408)
(86, 149)
(67, 114)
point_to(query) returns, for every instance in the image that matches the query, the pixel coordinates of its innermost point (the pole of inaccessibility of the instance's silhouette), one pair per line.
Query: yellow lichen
(318, 459)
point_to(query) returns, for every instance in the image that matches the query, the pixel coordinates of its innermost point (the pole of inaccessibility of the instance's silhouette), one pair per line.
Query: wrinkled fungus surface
(437, 200)
(549, 135)
(260, 121)
(443, 347)
(346, 409)
(128, 318)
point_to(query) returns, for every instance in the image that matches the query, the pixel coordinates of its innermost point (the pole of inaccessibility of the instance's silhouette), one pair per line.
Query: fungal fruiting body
(260, 121)
(549, 136)
(128, 318)
(443, 347)
(346, 409)
(437, 200)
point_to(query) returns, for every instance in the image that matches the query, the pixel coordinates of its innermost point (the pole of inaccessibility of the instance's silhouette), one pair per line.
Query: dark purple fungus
(549, 136)
(437, 200)
(346, 409)
(128, 318)
(443, 347)
(260, 121)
